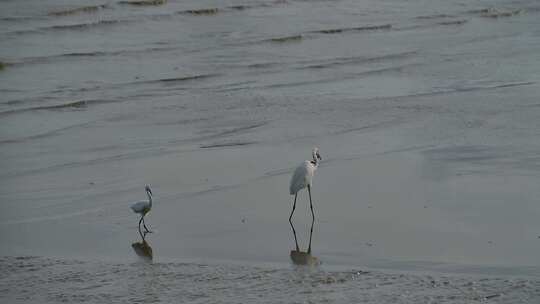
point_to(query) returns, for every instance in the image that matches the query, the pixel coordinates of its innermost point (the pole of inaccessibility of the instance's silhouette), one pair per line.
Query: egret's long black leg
(293, 207)
(147, 230)
(140, 224)
(310, 203)
(290, 222)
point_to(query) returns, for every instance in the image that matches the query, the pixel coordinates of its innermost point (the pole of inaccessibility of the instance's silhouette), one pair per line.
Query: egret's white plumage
(302, 178)
(143, 207)
(303, 175)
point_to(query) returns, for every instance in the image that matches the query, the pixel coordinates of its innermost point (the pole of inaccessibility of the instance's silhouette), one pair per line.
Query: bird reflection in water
(299, 257)
(142, 248)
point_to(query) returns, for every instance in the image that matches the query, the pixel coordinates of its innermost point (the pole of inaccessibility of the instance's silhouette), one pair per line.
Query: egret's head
(316, 154)
(147, 188)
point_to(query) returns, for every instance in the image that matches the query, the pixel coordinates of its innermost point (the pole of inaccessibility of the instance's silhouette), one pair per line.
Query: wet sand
(39, 280)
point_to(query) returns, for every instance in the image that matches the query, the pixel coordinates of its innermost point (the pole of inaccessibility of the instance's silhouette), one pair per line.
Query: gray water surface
(425, 112)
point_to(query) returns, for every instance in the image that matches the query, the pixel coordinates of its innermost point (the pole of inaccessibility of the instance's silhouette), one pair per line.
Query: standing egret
(302, 177)
(143, 207)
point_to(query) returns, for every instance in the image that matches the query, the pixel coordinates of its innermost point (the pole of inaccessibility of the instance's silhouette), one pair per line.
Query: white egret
(302, 178)
(143, 207)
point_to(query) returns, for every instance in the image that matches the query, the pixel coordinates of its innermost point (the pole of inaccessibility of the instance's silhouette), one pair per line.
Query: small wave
(479, 11)
(216, 10)
(15, 102)
(201, 12)
(237, 130)
(231, 131)
(69, 27)
(245, 7)
(294, 38)
(467, 89)
(436, 16)
(240, 7)
(262, 65)
(354, 29)
(454, 22)
(227, 144)
(172, 80)
(78, 26)
(163, 81)
(47, 59)
(513, 84)
(88, 54)
(75, 104)
(394, 69)
(495, 13)
(358, 59)
(368, 127)
(498, 14)
(489, 87)
(186, 78)
(30, 257)
(20, 18)
(44, 134)
(143, 2)
(450, 91)
(78, 10)
(69, 105)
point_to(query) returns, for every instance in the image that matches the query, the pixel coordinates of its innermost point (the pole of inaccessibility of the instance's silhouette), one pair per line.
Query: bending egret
(302, 177)
(143, 207)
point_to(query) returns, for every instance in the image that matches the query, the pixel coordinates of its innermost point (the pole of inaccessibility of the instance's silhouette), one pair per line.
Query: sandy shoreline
(48, 280)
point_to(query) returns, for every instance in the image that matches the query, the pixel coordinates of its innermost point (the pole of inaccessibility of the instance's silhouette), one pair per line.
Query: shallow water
(426, 114)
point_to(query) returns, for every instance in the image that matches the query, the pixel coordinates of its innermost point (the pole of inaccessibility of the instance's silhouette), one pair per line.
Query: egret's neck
(149, 197)
(315, 161)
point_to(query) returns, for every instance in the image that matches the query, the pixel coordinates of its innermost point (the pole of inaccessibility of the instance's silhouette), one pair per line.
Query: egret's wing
(139, 206)
(298, 180)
